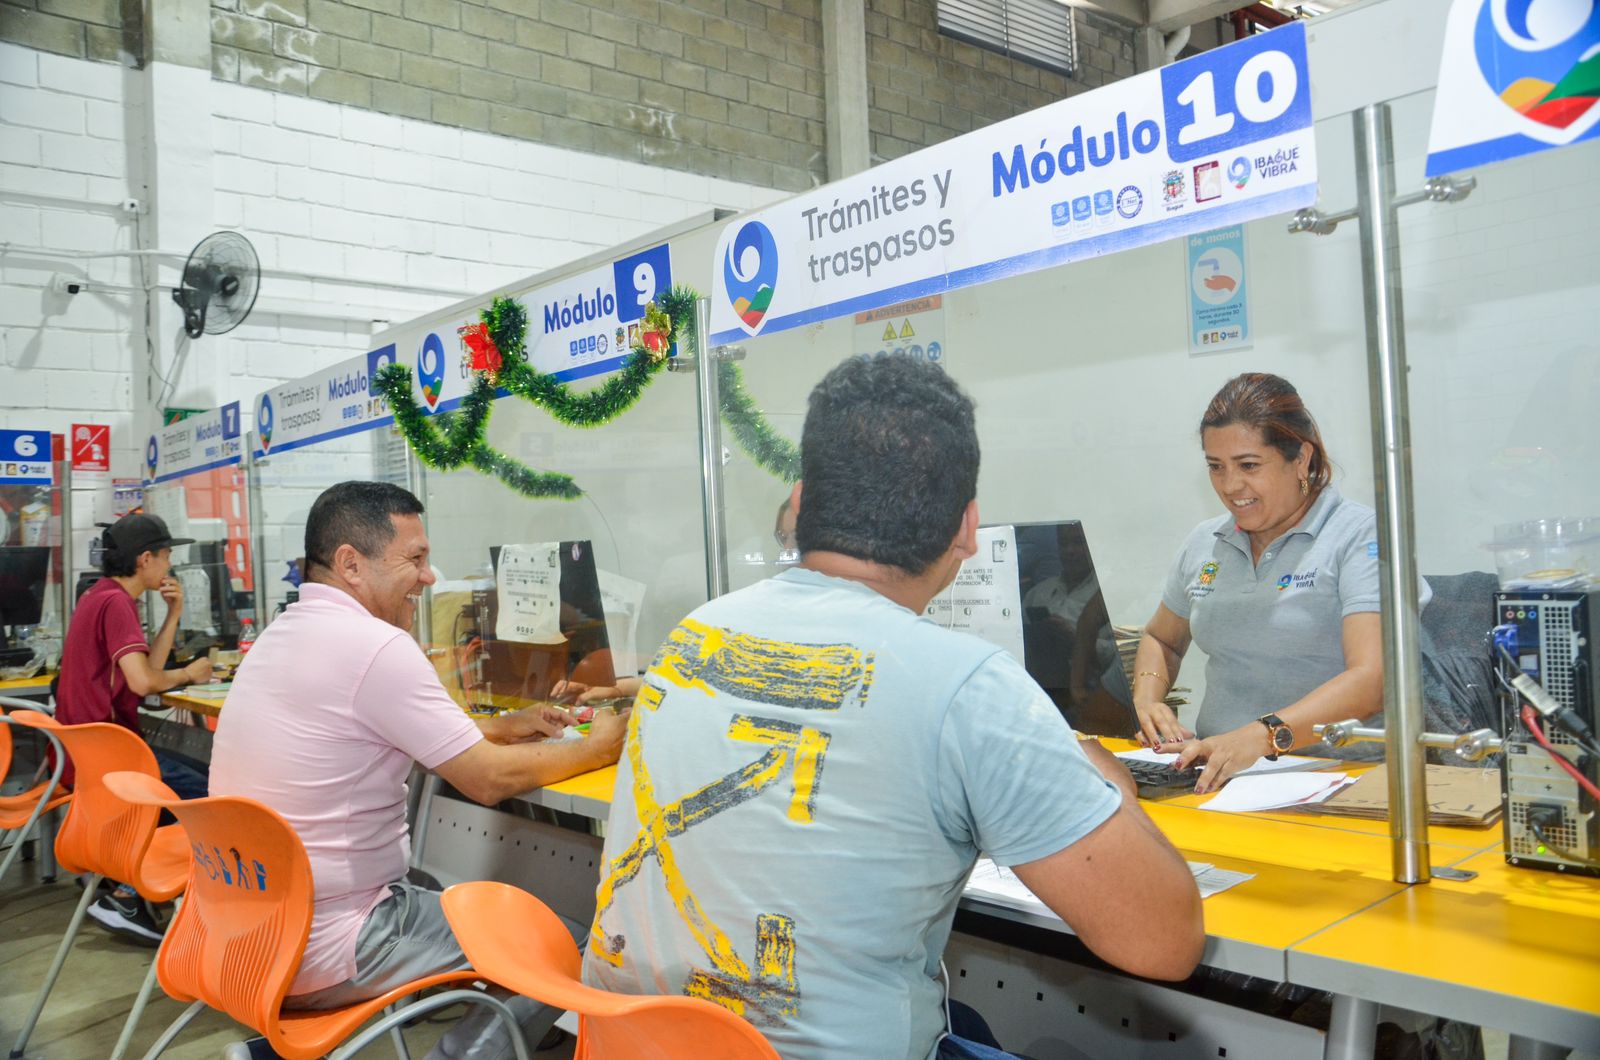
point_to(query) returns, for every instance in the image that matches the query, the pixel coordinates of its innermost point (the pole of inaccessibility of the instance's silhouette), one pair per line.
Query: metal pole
(258, 530)
(68, 601)
(417, 482)
(1397, 563)
(710, 453)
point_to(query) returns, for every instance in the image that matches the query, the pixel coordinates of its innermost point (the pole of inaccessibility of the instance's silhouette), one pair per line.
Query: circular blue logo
(1536, 55)
(750, 274)
(430, 368)
(152, 455)
(264, 422)
(1130, 200)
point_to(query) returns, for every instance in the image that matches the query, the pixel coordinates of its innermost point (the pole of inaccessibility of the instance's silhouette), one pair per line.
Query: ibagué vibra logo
(264, 422)
(750, 274)
(430, 369)
(1542, 59)
(152, 454)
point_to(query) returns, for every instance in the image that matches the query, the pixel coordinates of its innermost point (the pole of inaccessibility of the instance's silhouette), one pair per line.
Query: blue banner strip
(583, 372)
(1502, 149)
(169, 476)
(1075, 250)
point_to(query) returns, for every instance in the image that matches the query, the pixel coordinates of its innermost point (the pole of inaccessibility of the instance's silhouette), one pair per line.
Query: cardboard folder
(1467, 798)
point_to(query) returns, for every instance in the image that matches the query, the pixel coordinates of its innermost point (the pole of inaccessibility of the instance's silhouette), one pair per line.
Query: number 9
(644, 282)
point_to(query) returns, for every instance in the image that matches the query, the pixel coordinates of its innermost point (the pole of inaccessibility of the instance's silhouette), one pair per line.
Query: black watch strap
(1273, 724)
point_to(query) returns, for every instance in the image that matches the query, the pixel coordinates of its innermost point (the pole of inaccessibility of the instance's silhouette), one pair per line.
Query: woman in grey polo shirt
(1281, 593)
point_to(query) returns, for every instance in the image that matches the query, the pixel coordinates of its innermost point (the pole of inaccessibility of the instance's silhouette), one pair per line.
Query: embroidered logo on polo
(1308, 580)
(1208, 573)
(1203, 586)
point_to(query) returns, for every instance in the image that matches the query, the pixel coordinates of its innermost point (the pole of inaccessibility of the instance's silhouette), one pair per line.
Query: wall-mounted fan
(219, 286)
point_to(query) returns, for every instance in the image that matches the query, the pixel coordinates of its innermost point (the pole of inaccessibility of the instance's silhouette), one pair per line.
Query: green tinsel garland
(461, 440)
(770, 450)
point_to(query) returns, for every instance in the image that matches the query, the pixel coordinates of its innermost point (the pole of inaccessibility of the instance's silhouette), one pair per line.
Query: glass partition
(288, 480)
(534, 591)
(217, 572)
(1502, 310)
(1088, 399)
(34, 572)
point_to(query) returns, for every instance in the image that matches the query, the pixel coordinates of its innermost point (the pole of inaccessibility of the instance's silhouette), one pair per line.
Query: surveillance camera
(68, 285)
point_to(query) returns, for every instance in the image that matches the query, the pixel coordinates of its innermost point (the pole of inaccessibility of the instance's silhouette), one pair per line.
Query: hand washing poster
(1219, 298)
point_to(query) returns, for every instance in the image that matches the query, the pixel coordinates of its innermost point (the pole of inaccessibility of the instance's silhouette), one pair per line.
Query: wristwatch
(1281, 736)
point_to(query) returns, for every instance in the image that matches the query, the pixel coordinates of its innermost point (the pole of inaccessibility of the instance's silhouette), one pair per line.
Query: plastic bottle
(247, 635)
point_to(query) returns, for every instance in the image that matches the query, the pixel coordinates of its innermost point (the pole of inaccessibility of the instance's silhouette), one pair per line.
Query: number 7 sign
(91, 447)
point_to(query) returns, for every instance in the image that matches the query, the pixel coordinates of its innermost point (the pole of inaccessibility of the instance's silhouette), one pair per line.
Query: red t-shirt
(104, 627)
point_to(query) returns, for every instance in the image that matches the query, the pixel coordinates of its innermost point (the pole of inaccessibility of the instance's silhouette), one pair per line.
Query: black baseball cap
(138, 533)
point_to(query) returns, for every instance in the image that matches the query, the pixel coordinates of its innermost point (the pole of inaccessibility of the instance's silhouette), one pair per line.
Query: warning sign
(915, 328)
(91, 449)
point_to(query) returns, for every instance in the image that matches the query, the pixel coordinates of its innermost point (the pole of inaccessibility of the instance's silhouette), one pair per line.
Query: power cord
(1531, 722)
(1538, 818)
(1563, 716)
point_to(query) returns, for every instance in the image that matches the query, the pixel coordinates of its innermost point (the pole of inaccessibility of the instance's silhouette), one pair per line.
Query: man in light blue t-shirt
(812, 768)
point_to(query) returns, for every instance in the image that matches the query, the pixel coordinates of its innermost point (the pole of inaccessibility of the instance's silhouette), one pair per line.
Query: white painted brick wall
(376, 206)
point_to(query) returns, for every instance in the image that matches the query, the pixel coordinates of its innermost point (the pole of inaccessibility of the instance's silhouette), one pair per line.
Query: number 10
(1200, 96)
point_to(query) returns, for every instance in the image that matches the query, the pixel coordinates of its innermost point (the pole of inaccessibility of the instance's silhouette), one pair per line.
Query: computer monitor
(513, 673)
(1068, 642)
(24, 573)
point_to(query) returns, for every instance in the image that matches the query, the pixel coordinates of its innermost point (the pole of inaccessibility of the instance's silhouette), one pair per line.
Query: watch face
(1282, 738)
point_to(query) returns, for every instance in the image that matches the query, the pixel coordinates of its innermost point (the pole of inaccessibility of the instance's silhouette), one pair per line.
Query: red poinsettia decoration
(482, 354)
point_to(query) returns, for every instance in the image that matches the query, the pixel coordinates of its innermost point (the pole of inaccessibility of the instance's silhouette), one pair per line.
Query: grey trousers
(407, 937)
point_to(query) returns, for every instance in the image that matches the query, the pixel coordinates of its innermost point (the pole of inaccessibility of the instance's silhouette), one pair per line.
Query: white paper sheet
(623, 599)
(529, 583)
(1276, 790)
(999, 885)
(1284, 764)
(986, 597)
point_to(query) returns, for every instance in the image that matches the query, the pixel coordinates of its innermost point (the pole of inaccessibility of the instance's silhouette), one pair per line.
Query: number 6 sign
(25, 458)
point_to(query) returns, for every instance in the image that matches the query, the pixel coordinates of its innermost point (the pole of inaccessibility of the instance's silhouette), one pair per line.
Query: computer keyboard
(1158, 781)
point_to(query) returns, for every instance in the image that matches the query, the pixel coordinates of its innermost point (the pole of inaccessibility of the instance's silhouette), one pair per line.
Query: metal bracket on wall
(687, 362)
(1435, 189)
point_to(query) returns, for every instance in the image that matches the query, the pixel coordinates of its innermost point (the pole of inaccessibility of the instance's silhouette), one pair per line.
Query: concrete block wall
(81, 29)
(359, 219)
(925, 88)
(725, 88)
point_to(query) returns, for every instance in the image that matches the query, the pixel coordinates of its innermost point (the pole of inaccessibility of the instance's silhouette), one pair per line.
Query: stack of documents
(1000, 886)
(1273, 791)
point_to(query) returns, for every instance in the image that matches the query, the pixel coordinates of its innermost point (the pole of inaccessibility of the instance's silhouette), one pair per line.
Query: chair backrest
(530, 951)
(102, 833)
(237, 938)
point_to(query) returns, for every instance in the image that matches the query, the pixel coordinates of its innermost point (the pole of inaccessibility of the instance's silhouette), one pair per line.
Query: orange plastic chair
(513, 939)
(236, 941)
(20, 812)
(106, 837)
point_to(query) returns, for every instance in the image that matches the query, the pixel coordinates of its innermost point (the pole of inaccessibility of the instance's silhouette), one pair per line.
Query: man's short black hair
(355, 514)
(889, 458)
(115, 564)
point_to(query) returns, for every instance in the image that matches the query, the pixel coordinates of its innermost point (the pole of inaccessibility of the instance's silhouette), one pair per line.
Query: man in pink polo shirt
(326, 715)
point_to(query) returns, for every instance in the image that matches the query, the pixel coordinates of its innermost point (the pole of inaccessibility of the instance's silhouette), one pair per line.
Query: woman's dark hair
(889, 458)
(355, 514)
(1272, 405)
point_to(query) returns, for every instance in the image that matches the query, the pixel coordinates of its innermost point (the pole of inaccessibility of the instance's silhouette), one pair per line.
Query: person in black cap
(108, 667)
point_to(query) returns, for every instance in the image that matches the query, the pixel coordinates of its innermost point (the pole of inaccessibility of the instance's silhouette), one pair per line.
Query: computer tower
(1550, 822)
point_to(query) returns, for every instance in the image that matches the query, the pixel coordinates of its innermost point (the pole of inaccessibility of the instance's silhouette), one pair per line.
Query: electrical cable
(1561, 851)
(1531, 722)
(1532, 692)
